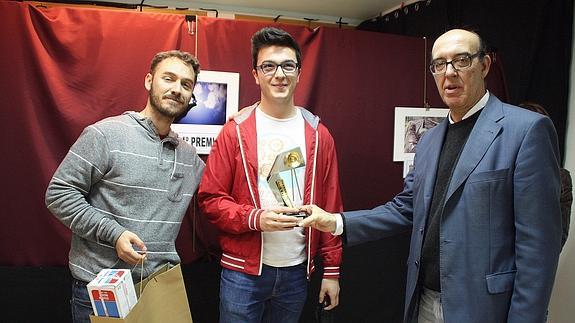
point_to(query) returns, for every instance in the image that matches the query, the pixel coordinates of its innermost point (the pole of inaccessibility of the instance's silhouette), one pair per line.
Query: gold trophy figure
(286, 161)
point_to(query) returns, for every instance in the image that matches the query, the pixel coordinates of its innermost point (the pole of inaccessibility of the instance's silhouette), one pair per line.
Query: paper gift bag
(163, 300)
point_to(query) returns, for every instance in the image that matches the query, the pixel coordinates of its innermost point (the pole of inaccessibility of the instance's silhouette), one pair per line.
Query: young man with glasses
(482, 202)
(266, 258)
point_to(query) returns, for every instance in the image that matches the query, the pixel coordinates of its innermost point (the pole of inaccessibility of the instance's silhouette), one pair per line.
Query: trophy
(286, 162)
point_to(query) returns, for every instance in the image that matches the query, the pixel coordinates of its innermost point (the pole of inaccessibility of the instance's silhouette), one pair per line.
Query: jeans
(80, 304)
(277, 296)
(430, 309)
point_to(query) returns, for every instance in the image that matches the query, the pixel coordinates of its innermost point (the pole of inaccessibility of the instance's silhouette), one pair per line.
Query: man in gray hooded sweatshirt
(126, 183)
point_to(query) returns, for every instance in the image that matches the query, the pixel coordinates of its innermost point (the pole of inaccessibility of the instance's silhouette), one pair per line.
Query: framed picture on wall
(407, 166)
(217, 95)
(410, 124)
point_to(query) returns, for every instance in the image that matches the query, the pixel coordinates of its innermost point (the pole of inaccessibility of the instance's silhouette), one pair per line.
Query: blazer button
(421, 230)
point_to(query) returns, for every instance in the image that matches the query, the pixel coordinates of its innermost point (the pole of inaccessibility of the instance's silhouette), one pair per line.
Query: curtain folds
(67, 67)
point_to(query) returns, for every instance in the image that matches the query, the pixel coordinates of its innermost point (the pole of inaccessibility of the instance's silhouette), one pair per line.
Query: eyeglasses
(270, 68)
(460, 62)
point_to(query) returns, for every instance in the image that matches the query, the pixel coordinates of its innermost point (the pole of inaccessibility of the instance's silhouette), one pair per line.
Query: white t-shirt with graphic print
(281, 248)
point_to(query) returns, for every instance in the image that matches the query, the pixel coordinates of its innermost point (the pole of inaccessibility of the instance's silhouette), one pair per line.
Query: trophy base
(296, 214)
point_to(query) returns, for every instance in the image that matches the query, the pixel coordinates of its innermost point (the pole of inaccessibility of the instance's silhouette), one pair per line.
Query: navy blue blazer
(500, 231)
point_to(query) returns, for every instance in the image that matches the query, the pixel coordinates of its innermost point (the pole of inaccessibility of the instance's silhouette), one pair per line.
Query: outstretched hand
(318, 219)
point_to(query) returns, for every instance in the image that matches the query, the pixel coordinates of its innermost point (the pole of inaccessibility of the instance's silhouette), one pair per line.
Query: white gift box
(112, 293)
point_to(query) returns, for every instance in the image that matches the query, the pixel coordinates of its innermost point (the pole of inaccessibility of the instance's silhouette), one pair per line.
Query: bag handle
(141, 274)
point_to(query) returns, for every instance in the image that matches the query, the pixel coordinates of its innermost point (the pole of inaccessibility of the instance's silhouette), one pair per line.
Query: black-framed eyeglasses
(460, 62)
(270, 68)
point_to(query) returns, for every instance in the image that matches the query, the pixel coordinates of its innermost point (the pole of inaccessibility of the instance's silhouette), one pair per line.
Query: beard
(167, 108)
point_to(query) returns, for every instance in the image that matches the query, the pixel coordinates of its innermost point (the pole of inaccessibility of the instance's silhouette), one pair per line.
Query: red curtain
(65, 68)
(352, 79)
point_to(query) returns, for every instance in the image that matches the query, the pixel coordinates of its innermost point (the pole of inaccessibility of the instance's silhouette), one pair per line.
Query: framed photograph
(407, 166)
(410, 124)
(217, 96)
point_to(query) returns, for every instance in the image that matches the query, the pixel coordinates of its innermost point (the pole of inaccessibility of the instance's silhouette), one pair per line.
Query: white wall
(562, 308)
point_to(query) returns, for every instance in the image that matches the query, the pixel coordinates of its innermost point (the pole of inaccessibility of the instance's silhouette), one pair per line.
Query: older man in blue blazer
(482, 202)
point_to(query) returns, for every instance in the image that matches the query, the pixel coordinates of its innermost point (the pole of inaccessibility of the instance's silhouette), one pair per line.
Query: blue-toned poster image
(211, 100)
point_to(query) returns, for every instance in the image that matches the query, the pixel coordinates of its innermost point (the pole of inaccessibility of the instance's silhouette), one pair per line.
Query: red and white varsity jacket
(229, 197)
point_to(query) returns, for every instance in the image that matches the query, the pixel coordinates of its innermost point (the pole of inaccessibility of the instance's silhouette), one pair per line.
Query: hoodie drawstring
(175, 159)
(174, 142)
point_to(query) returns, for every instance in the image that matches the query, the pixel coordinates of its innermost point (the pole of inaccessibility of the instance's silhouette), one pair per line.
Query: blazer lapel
(484, 132)
(430, 159)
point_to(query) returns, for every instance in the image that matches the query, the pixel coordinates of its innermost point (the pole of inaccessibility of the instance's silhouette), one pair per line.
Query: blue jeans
(277, 296)
(80, 303)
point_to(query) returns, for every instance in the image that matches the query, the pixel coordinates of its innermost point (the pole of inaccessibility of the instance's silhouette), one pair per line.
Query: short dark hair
(270, 36)
(185, 57)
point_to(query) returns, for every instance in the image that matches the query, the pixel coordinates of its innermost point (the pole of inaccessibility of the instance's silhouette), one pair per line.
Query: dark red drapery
(353, 80)
(64, 68)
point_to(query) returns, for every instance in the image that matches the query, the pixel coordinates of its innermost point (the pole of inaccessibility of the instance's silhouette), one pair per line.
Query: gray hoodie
(119, 175)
